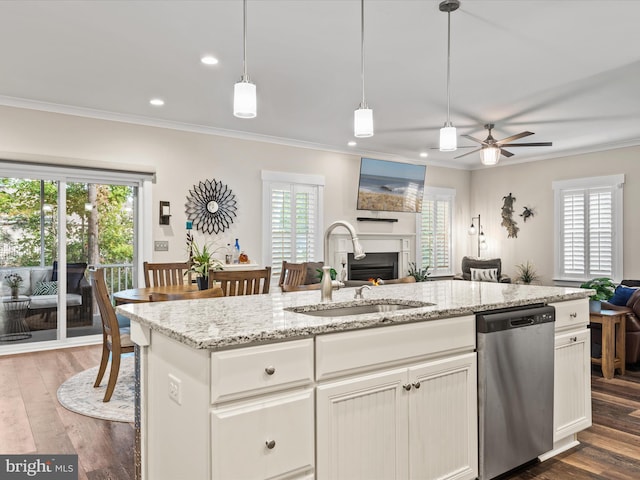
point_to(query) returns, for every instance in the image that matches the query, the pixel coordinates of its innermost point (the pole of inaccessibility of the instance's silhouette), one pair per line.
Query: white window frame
(616, 184)
(270, 179)
(440, 194)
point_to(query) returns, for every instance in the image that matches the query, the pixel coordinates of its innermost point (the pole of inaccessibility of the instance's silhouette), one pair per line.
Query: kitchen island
(256, 387)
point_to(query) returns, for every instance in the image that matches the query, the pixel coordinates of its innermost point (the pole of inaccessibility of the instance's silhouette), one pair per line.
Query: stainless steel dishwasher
(515, 387)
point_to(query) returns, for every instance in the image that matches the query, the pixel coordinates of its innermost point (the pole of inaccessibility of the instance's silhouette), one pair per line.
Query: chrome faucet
(359, 291)
(358, 254)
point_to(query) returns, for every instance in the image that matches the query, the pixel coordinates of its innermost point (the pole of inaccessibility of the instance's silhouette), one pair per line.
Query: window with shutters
(588, 226)
(433, 245)
(292, 218)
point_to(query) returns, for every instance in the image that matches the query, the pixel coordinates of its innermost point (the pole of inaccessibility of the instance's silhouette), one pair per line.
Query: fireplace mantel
(402, 243)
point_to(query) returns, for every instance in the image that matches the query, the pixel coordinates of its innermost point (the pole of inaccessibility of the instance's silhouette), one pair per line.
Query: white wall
(531, 183)
(181, 159)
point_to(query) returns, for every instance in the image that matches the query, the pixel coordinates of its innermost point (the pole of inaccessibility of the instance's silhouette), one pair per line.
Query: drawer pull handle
(270, 444)
(407, 387)
(573, 315)
(416, 385)
(270, 370)
(574, 339)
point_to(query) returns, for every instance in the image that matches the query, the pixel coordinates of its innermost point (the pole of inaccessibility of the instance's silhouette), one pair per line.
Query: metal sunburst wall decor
(211, 206)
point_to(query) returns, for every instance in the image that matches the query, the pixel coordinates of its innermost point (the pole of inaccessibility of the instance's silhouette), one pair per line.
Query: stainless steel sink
(343, 311)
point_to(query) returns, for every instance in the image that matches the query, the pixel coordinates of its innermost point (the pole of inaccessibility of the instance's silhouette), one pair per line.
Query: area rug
(78, 395)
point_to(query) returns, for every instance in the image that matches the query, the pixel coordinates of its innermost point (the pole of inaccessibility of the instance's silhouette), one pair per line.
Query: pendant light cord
(448, 65)
(364, 103)
(245, 77)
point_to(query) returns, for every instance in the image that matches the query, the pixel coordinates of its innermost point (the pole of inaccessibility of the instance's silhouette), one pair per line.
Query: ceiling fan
(491, 149)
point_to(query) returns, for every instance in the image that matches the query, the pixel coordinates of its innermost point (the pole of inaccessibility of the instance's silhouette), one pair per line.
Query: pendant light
(448, 140)
(244, 92)
(363, 116)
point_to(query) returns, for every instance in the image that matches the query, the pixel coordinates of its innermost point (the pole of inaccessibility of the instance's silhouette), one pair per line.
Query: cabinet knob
(573, 339)
(573, 315)
(270, 370)
(416, 385)
(270, 444)
(407, 387)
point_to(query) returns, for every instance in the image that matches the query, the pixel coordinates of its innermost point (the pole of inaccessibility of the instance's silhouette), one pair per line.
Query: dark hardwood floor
(32, 421)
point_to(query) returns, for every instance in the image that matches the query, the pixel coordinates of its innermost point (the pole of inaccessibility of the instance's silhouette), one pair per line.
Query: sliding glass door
(47, 251)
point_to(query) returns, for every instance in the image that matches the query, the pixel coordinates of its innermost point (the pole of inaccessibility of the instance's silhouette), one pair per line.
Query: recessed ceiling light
(352, 143)
(209, 60)
(424, 154)
(156, 102)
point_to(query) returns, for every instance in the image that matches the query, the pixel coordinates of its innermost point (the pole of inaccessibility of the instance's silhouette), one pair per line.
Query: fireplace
(382, 265)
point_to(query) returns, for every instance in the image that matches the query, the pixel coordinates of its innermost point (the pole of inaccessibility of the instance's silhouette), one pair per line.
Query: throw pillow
(46, 288)
(622, 295)
(484, 274)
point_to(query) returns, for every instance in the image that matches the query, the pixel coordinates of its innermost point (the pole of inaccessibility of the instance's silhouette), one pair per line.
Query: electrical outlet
(161, 245)
(175, 390)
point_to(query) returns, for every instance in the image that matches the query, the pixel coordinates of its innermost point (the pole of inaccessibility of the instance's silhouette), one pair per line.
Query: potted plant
(13, 282)
(201, 262)
(526, 273)
(604, 288)
(420, 274)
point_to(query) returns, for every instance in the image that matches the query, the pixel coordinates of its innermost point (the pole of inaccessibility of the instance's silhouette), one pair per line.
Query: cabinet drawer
(571, 314)
(353, 352)
(256, 370)
(241, 436)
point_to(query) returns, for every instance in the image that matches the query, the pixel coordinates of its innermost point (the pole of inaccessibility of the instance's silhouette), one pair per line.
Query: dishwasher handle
(515, 318)
(522, 322)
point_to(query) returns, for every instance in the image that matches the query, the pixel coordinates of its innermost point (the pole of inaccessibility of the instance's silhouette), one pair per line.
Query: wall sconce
(482, 240)
(165, 213)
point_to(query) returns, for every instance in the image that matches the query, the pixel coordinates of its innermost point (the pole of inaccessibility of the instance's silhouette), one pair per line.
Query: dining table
(143, 294)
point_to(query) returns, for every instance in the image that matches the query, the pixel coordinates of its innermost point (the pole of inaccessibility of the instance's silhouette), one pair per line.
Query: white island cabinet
(253, 388)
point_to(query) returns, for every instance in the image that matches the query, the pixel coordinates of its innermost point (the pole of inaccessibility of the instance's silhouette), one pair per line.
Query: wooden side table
(613, 341)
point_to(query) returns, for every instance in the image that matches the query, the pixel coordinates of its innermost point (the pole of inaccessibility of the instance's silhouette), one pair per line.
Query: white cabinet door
(443, 419)
(361, 427)
(572, 385)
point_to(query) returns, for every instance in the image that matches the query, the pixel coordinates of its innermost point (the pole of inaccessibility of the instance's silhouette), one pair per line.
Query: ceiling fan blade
(474, 139)
(535, 144)
(459, 146)
(513, 137)
(505, 153)
(468, 153)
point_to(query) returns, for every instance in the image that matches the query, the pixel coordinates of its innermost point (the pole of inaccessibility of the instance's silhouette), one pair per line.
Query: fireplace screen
(374, 265)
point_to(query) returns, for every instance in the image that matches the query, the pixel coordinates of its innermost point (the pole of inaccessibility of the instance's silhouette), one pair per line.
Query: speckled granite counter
(239, 321)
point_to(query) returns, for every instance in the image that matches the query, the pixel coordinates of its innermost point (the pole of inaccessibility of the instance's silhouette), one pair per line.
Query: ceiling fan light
(244, 99)
(363, 122)
(490, 155)
(448, 139)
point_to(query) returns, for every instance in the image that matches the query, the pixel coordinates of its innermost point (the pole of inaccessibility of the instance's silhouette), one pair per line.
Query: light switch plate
(161, 245)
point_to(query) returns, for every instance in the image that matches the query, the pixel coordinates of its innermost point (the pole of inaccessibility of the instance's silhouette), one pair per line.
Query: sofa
(39, 286)
(484, 270)
(632, 325)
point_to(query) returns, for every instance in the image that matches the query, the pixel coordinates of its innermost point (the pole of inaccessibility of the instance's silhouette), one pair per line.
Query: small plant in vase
(201, 261)
(420, 274)
(13, 281)
(604, 287)
(526, 273)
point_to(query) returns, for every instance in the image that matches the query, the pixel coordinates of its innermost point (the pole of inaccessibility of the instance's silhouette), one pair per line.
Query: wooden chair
(292, 274)
(242, 282)
(160, 274)
(114, 339)
(207, 293)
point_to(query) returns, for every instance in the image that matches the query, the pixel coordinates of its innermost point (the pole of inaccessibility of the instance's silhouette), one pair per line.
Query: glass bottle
(236, 252)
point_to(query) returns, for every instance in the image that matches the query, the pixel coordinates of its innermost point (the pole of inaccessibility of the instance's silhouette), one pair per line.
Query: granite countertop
(227, 322)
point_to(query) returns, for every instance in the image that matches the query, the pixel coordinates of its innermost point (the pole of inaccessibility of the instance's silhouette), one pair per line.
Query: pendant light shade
(448, 137)
(244, 100)
(490, 155)
(363, 122)
(245, 104)
(448, 141)
(363, 116)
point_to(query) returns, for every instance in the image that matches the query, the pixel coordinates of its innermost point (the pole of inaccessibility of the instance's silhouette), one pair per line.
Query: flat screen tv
(390, 186)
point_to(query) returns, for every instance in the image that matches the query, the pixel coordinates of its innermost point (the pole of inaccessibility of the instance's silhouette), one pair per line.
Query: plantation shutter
(590, 221)
(292, 220)
(435, 231)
